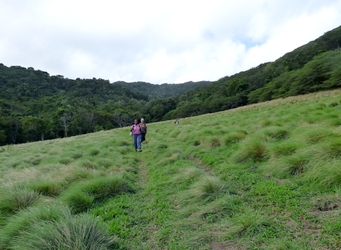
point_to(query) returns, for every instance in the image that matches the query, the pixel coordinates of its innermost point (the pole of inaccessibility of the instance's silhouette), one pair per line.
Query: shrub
(17, 198)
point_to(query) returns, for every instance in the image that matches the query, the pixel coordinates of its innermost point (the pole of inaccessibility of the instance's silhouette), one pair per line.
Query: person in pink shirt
(136, 133)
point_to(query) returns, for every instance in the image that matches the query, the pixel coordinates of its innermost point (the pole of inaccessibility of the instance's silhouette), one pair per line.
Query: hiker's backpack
(143, 128)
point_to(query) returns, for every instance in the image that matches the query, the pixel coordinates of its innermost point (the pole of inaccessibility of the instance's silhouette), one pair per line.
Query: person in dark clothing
(143, 126)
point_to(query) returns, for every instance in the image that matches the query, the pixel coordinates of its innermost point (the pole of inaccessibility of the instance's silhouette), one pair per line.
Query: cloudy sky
(157, 41)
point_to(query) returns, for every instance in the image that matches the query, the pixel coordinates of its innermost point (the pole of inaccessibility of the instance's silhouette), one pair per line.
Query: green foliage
(79, 232)
(272, 181)
(14, 199)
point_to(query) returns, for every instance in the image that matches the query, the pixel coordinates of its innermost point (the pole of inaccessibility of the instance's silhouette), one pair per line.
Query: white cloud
(157, 41)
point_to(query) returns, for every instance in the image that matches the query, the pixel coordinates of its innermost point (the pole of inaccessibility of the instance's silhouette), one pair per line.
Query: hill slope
(264, 176)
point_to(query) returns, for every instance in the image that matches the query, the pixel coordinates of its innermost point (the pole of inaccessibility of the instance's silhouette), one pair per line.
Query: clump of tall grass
(49, 187)
(250, 224)
(16, 198)
(234, 137)
(208, 188)
(81, 196)
(94, 152)
(253, 149)
(78, 200)
(79, 232)
(65, 161)
(77, 175)
(333, 148)
(325, 174)
(285, 148)
(55, 228)
(22, 221)
(276, 133)
(77, 155)
(316, 135)
(89, 164)
(105, 162)
(214, 143)
(296, 164)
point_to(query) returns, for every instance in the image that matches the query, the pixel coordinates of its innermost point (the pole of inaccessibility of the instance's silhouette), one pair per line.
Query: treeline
(36, 106)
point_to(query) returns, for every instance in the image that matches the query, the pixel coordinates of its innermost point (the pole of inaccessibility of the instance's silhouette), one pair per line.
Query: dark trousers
(143, 137)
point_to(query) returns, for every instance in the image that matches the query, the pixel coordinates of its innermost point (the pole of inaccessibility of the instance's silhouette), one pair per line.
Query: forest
(36, 106)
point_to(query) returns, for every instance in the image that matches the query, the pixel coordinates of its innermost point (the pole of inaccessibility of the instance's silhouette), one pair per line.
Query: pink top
(136, 129)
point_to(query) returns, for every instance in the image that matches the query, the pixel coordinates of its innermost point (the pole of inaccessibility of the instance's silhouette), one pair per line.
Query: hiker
(177, 122)
(136, 132)
(143, 130)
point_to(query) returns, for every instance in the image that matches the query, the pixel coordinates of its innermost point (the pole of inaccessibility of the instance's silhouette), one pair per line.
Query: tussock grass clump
(105, 162)
(251, 150)
(89, 164)
(34, 161)
(285, 148)
(316, 135)
(234, 137)
(79, 232)
(250, 224)
(78, 200)
(94, 152)
(214, 143)
(14, 199)
(333, 148)
(25, 219)
(77, 155)
(81, 196)
(277, 133)
(48, 187)
(325, 175)
(296, 164)
(65, 161)
(209, 188)
(77, 175)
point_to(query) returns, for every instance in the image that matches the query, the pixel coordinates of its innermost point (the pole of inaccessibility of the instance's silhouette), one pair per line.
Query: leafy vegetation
(263, 176)
(36, 106)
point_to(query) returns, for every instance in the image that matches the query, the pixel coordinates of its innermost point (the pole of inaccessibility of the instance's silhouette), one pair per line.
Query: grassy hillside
(264, 176)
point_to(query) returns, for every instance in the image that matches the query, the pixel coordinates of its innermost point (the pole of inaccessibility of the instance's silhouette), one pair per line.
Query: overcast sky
(157, 41)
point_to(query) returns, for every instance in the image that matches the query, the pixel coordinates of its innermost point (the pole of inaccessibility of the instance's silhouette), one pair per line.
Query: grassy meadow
(264, 176)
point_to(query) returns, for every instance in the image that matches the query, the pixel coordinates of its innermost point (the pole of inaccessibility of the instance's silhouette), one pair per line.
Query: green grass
(264, 176)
